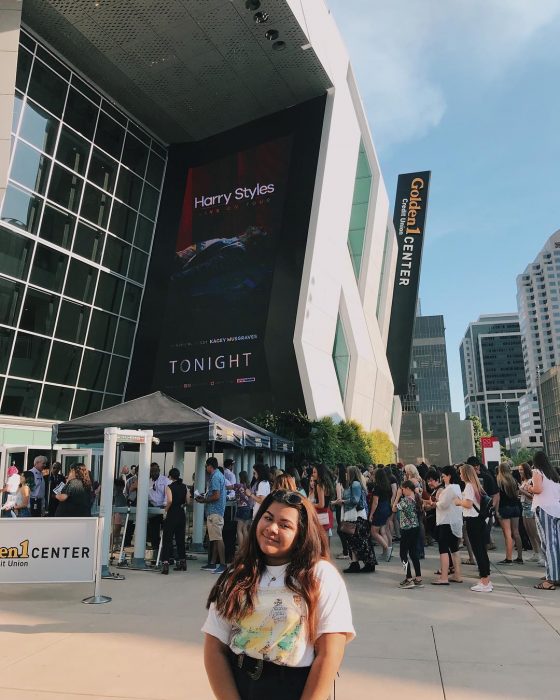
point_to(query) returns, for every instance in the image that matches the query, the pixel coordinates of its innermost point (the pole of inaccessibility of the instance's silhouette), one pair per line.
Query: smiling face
(276, 532)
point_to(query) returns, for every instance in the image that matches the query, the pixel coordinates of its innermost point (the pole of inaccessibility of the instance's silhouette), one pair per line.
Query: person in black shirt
(75, 498)
(55, 479)
(490, 487)
(176, 496)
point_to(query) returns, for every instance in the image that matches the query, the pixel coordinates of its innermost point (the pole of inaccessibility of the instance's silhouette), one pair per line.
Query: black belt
(255, 668)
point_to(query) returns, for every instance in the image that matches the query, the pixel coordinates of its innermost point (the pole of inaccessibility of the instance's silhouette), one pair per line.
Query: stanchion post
(97, 598)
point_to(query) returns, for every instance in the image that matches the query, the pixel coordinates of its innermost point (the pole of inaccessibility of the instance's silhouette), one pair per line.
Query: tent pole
(213, 448)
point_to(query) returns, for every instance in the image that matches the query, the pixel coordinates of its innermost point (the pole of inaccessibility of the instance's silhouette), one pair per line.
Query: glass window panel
(102, 170)
(21, 209)
(65, 188)
(94, 370)
(39, 312)
(154, 173)
(27, 41)
(30, 356)
(56, 403)
(111, 400)
(341, 358)
(15, 253)
(18, 106)
(138, 264)
(102, 330)
(64, 363)
(109, 292)
(144, 233)
(117, 115)
(129, 188)
(136, 131)
(86, 402)
(57, 226)
(47, 88)
(116, 255)
(48, 268)
(109, 135)
(131, 301)
(162, 152)
(85, 89)
(6, 340)
(88, 242)
(23, 68)
(52, 62)
(38, 127)
(21, 398)
(80, 113)
(135, 154)
(72, 322)
(11, 294)
(125, 336)
(117, 375)
(123, 220)
(149, 202)
(72, 150)
(80, 282)
(95, 205)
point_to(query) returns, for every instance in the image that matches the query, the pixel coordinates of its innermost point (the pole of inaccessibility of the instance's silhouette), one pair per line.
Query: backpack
(485, 508)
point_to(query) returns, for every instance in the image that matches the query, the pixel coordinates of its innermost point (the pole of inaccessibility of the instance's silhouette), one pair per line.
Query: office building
(549, 392)
(192, 203)
(538, 290)
(493, 373)
(440, 438)
(429, 376)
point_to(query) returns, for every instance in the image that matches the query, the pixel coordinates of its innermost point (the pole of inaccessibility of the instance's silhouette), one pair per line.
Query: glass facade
(429, 365)
(76, 232)
(341, 358)
(360, 205)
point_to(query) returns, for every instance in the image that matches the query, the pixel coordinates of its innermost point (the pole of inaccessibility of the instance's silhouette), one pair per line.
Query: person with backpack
(475, 504)
(355, 523)
(408, 506)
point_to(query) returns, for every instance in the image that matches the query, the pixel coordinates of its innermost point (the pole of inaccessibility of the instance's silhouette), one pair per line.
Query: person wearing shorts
(215, 505)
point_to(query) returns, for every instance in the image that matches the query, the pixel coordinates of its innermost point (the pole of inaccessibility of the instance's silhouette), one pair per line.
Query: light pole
(541, 410)
(506, 402)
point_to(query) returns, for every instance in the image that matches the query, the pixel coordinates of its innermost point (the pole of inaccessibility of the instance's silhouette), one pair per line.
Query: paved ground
(425, 644)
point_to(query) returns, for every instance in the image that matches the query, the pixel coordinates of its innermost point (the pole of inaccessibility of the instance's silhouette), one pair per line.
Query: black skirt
(263, 680)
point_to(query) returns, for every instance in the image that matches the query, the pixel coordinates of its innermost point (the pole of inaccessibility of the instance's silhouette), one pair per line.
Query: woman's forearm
(330, 652)
(218, 669)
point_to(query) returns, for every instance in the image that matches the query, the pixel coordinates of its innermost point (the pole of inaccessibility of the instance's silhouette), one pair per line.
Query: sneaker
(481, 588)
(342, 556)
(542, 561)
(506, 561)
(417, 583)
(219, 569)
(407, 584)
(519, 560)
(208, 567)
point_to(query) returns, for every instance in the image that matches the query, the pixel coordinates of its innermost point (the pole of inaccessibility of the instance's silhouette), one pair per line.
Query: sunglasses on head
(292, 498)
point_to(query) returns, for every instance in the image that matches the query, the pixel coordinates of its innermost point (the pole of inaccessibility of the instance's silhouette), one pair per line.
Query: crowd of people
(44, 491)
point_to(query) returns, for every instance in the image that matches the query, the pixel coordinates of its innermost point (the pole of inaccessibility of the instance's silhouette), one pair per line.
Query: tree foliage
(325, 441)
(479, 432)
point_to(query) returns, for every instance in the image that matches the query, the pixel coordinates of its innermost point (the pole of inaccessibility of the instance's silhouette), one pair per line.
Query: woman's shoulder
(325, 572)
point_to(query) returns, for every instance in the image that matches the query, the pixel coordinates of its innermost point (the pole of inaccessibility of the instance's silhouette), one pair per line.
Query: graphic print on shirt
(276, 630)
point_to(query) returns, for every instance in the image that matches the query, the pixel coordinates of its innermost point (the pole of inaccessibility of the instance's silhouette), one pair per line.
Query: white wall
(10, 17)
(329, 285)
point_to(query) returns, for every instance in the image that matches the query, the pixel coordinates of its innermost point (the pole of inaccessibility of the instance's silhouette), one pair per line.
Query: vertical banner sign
(409, 218)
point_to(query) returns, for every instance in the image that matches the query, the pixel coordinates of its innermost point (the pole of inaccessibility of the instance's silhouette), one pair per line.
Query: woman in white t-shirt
(279, 618)
(546, 505)
(260, 486)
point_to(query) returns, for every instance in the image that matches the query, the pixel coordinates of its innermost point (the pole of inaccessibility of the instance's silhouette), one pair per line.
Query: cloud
(404, 51)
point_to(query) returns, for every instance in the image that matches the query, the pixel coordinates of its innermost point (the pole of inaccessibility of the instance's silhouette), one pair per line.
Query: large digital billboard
(220, 284)
(218, 317)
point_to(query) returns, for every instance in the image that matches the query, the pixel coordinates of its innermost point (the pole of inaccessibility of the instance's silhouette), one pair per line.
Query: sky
(469, 90)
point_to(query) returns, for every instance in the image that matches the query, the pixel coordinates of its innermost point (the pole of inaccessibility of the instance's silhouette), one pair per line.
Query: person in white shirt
(449, 522)
(229, 476)
(11, 487)
(156, 499)
(37, 498)
(278, 624)
(546, 505)
(260, 486)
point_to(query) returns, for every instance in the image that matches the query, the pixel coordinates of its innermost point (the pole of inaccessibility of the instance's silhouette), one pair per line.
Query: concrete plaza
(427, 644)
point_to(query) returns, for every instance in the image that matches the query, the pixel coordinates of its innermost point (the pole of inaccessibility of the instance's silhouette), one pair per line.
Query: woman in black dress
(74, 501)
(175, 522)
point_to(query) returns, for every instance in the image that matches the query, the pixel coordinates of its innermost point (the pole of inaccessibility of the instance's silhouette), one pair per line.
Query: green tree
(479, 432)
(524, 454)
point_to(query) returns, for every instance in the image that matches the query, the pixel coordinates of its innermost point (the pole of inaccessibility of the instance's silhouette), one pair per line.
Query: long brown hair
(236, 590)
(284, 482)
(82, 474)
(469, 476)
(506, 481)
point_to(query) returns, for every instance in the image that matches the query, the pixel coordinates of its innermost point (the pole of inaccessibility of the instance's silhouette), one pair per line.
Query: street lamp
(506, 402)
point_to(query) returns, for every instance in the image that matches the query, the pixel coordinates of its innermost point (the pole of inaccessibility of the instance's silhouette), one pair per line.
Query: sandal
(450, 572)
(468, 562)
(437, 582)
(542, 586)
(456, 580)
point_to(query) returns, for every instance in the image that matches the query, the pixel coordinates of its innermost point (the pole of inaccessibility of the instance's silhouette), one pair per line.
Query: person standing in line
(380, 511)
(279, 618)
(156, 499)
(449, 521)
(11, 487)
(20, 505)
(546, 506)
(56, 478)
(490, 488)
(174, 524)
(75, 498)
(509, 512)
(229, 476)
(340, 486)
(260, 485)
(322, 495)
(527, 514)
(471, 503)
(408, 510)
(37, 499)
(215, 507)
(244, 509)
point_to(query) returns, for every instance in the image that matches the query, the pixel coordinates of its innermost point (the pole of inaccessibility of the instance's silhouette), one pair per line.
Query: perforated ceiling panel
(186, 69)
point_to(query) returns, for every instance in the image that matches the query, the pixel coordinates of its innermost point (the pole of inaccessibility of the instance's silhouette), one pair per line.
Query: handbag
(348, 527)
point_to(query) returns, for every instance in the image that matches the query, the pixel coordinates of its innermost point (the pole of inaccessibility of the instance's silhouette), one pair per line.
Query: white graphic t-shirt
(277, 628)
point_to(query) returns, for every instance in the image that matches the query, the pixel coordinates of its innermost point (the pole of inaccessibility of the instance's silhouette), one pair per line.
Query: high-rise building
(438, 438)
(493, 373)
(429, 376)
(192, 202)
(538, 302)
